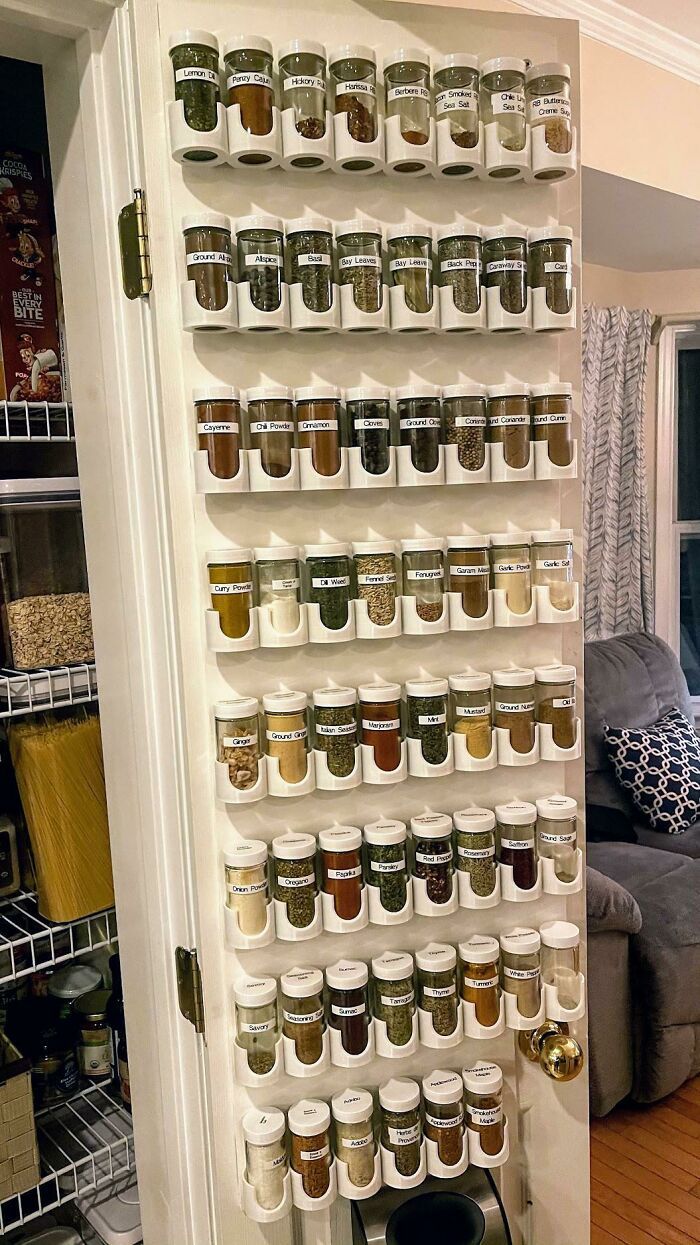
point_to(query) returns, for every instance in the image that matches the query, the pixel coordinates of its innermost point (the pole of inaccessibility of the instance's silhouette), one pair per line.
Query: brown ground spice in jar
(209, 261)
(311, 1152)
(318, 424)
(302, 1012)
(218, 414)
(514, 707)
(231, 590)
(484, 1099)
(286, 734)
(479, 958)
(556, 702)
(509, 425)
(552, 422)
(443, 1094)
(469, 574)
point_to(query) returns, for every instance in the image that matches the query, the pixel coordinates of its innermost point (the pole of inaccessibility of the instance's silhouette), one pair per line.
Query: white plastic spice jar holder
(443, 1104)
(409, 129)
(266, 1177)
(552, 575)
(468, 574)
(413, 302)
(188, 145)
(458, 93)
(248, 62)
(499, 319)
(453, 318)
(555, 679)
(273, 460)
(509, 432)
(281, 612)
(269, 231)
(358, 132)
(563, 984)
(227, 583)
(557, 845)
(353, 1111)
(248, 913)
(304, 316)
(377, 575)
(548, 102)
(472, 424)
(307, 123)
(470, 696)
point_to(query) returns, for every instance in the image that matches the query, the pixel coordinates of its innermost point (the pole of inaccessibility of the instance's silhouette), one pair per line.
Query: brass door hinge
(189, 987)
(133, 244)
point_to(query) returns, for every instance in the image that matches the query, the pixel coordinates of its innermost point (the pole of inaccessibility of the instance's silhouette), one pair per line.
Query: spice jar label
(194, 72)
(342, 875)
(564, 702)
(222, 427)
(407, 92)
(510, 568)
(318, 425)
(357, 1009)
(550, 106)
(553, 564)
(438, 573)
(486, 1116)
(410, 261)
(433, 858)
(431, 719)
(517, 845)
(470, 421)
(360, 261)
(313, 257)
(452, 1122)
(439, 992)
(272, 425)
(252, 78)
(481, 983)
(460, 265)
(420, 421)
(462, 97)
(506, 265)
(476, 853)
(547, 837)
(294, 883)
(520, 974)
(391, 866)
(390, 724)
(286, 736)
(304, 82)
(397, 1000)
(227, 590)
(404, 1136)
(471, 711)
(303, 1018)
(502, 421)
(254, 888)
(312, 1156)
(356, 88)
(376, 422)
(560, 417)
(256, 1026)
(558, 265)
(389, 578)
(239, 741)
(270, 1164)
(331, 581)
(357, 1143)
(284, 585)
(346, 728)
(208, 257)
(263, 258)
(507, 102)
(464, 571)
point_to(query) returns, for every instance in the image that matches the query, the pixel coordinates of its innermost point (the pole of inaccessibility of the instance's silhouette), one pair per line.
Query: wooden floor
(645, 1173)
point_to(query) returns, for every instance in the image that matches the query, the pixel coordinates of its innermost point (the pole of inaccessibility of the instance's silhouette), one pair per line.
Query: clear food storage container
(508, 412)
(475, 837)
(459, 264)
(249, 83)
(505, 265)
(456, 78)
(503, 100)
(247, 888)
(557, 834)
(426, 704)
(209, 258)
(551, 265)
(548, 90)
(302, 69)
(480, 980)
(359, 251)
(194, 55)
(520, 968)
(257, 1028)
(231, 589)
(218, 413)
(555, 695)
(469, 572)
(387, 862)
(552, 420)
(286, 733)
(265, 1155)
(328, 581)
(238, 740)
(471, 714)
(394, 995)
(464, 415)
(376, 579)
(423, 561)
(353, 75)
(515, 825)
(335, 727)
(410, 249)
(560, 961)
(511, 569)
(310, 260)
(380, 723)
(553, 565)
(260, 241)
(295, 885)
(514, 705)
(437, 986)
(271, 427)
(407, 83)
(319, 426)
(279, 585)
(369, 419)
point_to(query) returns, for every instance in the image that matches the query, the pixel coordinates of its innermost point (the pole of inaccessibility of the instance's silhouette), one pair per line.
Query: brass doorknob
(558, 1054)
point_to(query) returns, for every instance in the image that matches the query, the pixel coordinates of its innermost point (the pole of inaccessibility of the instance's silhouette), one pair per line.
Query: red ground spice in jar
(218, 412)
(341, 861)
(380, 723)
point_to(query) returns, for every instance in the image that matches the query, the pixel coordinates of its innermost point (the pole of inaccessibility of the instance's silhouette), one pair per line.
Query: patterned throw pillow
(659, 767)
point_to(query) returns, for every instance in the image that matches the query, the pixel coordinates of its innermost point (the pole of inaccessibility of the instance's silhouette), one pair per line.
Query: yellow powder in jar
(290, 751)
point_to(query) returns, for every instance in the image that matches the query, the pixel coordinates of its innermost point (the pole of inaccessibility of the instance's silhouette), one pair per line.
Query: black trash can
(464, 1211)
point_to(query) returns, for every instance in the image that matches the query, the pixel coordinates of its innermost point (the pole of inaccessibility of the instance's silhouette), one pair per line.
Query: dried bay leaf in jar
(456, 78)
(218, 412)
(503, 102)
(469, 572)
(394, 997)
(511, 569)
(353, 75)
(401, 1124)
(515, 825)
(376, 579)
(348, 998)
(459, 263)
(437, 986)
(230, 574)
(380, 723)
(420, 424)
(480, 977)
(475, 837)
(359, 250)
(247, 888)
(265, 1155)
(319, 426)
(387, 862)
(260, 242)
(328, 582)
(249, 83)
(238, 740)
(560, 961)
(335, 727)
(426, 703)
(209, 259)
(256, 1022)
(471, 714)
(423, 564)
(341, 869)
(551, 265)
(302, 69)
(555, 695)
(271, 427)
(369, 421)
(520, 968)
(484, 1101)
(443, 1100)
(505, 266)
(553, 565)
(514, 705)
(286, 733)
(355, 1143)
(410, 249)
(464, 415)
(548, 91)
(508, 415)
(303, 1016)
(295, 885)
(433, 859)
(279, 586)
(407, 84)
(557, 834)
(310, 260)
(194, 55)
(309, 1127)
(552, 415)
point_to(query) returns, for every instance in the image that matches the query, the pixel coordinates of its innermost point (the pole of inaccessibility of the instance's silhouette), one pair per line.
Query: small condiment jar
(555, 702)
(560, 961)
(514, 706)
(310, 260)
(520, 968)
(353, 76)
(470, 713)
(503, 101)
(437, 986)
(515, 825)
(407, 83)
(218, 412)
(484, 1102)
(238, 740)
(376, 579)
(271, 427)
(551, 407)
(209, 258)
(260, 242)
(369, 423)
(548, 92)
(341, 869)
(553, 565)
(459, 263)
(335, 727)
(303, 1016)
(348, 1004)
(309, 1128)
(247, 889)
(265, 1155)
(302, 70)
(318, 426)
(286, 733)
(329, 582)
(420, 424)
(443, 1104)
(433, 859)
(456, 78)
(505, 267)
(94, 1035)
(380, 723)
(423, 566)
(469, 572)
(394, 998)
(249, 83)
(194, 55)
(557, 834)
(231, 586)
(355, 1143)
(551, 266)
(359, 257)
(401, 1125)
(68, 983)
(479, 978)
(464, 416)
(475, 838)
(511, 569)
(295, 885)
(256, 1022)
(279, 586)
(387, 862)
(410, 248)
(426, 704)
(508, 415)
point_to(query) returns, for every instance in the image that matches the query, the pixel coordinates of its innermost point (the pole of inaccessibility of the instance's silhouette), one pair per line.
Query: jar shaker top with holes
(302, 70)
(548, 91)
(294, 857)
(247, 889)
(238, 740)
(335, 727)
(194, 55)
(410, 248)
(503, 99)
(459, 263)
(218, 412)
(249, 83)
(552, 420)
(310, 260)
(369, 420)
(271, 427)
(456, 78)
(353, 74)
(551, 265)
(376, 578)
(209, 258)
(359, 250)
(407, 83)
(260, 241)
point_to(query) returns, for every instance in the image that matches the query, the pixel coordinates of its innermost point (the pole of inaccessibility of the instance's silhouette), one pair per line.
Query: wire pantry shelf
(36, 421)
(36, 690)
(29, 943)
(84, 1143)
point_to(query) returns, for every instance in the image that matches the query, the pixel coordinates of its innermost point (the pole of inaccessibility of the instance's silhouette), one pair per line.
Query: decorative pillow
(659, 768)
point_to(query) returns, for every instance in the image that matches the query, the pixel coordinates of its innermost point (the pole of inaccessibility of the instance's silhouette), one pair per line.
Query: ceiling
(636, 227)
(680, 16)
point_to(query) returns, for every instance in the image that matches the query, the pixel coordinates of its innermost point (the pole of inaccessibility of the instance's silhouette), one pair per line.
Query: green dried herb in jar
(328, 571)
(551, 265)
(359, 244)
(401, 1127)
(387, 863)
(437, 986)
(256, 1022)
(295, 884)
(476, 848)
(310, 260)
(195, 60)
(411, 264)
(426, 701)
(505, 266)
(335, 727)
(394, 995)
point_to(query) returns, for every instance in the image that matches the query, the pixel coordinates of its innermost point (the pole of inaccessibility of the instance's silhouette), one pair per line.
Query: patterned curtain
(619, 589)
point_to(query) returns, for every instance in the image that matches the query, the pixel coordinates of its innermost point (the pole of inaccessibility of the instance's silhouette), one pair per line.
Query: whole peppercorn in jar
(194, 55)
(407, 83)
(353, 74)
(520, 968)
(464, 414)
(231, 589)
(505, 266)
(443, 1100)
(511, 569)
(209, 259)
(247, 888)
(265, 1155)
(475, 835)
(484, 1101)
(471, 715)
(456, 78)
(260, 241)
(411, 263)
(310, 260)
(319, 427)
(295, 885)
(279, 586)
(309, 1127)
(394, 997)
(459, 264)
(380, 723)
(508, 413)
(515, 825)
(369, 421)
(218, 413)
(286, 733)
(302, 68)
(426, 702)
(555, 702)
(423, 563)
(420, 424)
(348, 995)
(433, 860)
(469, 572)
(238, 740)
(552, 416)
(387, 864)
(335, 727)
(503, 101)
(479, 976)
(271, 427)
(355, 1144)
(437, 986)
(514, 706)
(553, 565)
(551, 266)
(359, 251)
(557, 834)
(303, 1017)
(328, 583)
(548, 91)
(375, 575)
(248, 61)
(401, 1125)
(341, 869)
(256, 1022)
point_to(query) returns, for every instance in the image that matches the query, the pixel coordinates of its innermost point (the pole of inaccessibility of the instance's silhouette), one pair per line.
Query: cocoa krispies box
(30, 353)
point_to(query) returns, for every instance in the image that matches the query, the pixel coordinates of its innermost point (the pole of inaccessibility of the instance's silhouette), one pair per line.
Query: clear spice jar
(238, 740)
(553, 565)
(508, 413)
(394, 997)
(484, 1102)
(310, 260)
(335, 727)
(286, 733)
(433, 859)
(511, 569)
(548, 91)
(295, 885)
(256, 1022)
(209, 258)
(230, 574)
(555, 702)
(194, 55)
(515, 825)
(380, 723)
(464, 415)
(249, 83)
(407, 82)
(218, 412)
(560, 961)
(469, 572)
(456, 78)
(551, 265)
(302, 69)
(437, 986)
(387, 864)
(319, 426)
(369, 421)
(475, 839)
(520, 968)
(279, 586)
(376, 579)
(353, 76)
(359, 258)
(328, 583)
(410, 248)
(426, 705)
(271, 427)
(341, 869)
(480, 983)
(348, 999)
(459, 263)
(557, 834)
(505, 266)
(552, 420)
(514, 705)
(420, 424)
(355, 1143)
(401, 1125)
(503, 100)
(303, 1016)
(443, 1104)
(309, 1125)
(471, 713)
(247, 887)
(265, 1155)
(260, 242)
(423, 565)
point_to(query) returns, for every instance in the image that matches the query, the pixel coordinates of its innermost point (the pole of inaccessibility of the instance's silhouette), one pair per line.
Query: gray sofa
(643, 898)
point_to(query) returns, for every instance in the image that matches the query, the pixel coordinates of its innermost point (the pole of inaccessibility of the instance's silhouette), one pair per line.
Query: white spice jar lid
(426, 687)
(431, 826)
(347, 975)
(514, 676)
(555, 233)
(206, 220)
(247, 43)
(506, 64)
(460, 229)
(262, 1128)
(548, 69)
(553, 536)
(309, 224)
(555, 674)
(437, 957)
(301, 983)
(277, 553)
(379, 693)
(227, 710)
(246, 855)
(520, 941)
(474, 820)
(294, 847)
(410, 229)
(400, 1094)
(553, 389)
(471, 681)
(455, 60)
(401, 56)
(352, 51)
(516, 813)
(216, 393)
(358, 224)
(373, 546)
(284, 702)
(259, 220)
(392, 966)
(509, 229)
(443, 1087)
(255, 991)
(475, 540)
(270, 393)
(560, 934)
(229, 557)
(201, 38)
(479, 949)
(385, 833)
(334, 697)
(483, 1078)
(296, 47)
(335, 550)
(557, 807)
(368, 393)
(513, 389)
(464, 389)
(423, 544)
(320, 392)
(352, 1106)
(307, 1118)
(419, 389)
(340, 839)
